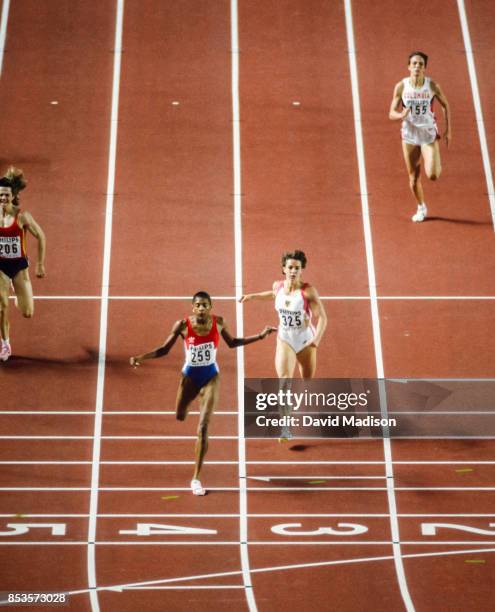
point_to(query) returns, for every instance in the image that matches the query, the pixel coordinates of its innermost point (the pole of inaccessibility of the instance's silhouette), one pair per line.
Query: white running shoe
(197, 488)
(5, 351)
(420, 214)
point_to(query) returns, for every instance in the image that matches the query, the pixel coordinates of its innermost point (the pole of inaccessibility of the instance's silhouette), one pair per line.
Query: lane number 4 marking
(148, 529)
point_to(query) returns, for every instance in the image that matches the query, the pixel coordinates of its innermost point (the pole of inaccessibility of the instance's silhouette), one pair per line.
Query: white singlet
(294, 318)
(419, 127)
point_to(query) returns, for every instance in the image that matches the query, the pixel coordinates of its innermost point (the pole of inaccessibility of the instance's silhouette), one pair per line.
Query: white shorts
(418, 135)
(297, 339)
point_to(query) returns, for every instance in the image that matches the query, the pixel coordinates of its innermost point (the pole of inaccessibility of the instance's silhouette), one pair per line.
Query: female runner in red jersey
(13, 257)
(200, 375)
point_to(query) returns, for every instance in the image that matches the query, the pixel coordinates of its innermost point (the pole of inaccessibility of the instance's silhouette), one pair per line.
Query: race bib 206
(10, 247)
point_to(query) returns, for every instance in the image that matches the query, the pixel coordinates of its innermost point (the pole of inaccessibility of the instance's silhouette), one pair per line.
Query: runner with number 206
(11, 249)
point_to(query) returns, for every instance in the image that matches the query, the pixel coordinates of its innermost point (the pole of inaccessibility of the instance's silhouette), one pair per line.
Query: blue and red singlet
(13, 256)
(201, 354)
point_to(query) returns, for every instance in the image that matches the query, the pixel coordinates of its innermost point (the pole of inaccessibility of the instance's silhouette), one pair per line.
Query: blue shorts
(200, 375)
(10, 267)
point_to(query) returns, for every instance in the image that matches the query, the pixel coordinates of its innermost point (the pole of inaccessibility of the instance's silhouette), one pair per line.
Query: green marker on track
(479, 561)
(316, 481)
(168, 497)
(464, 470)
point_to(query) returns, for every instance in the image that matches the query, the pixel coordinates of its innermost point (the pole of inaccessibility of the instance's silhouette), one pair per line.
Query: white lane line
(47, 412)
(237, 190)
(477, 106)
(308, 489)
(435, 297)
(311, 477)
(377, 463)
(441, 412)
(46, 462)
(409, 297)
(167, 463)
(107, 246)
(3, 31)
(126, 297)
(232, 297)
(144, 413)
(141, 413)
(442, 437)
(236, 515)
(187, 587)
(425, 463)
(185, 437)
(167, 297)
(250, 542)
(100, 437)
(116, 463)
(230, 438)
(394, 523)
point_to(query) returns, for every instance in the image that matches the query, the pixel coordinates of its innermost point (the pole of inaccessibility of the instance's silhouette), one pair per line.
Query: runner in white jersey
(412, 103)
(297, 303)
(294, 315)
(418, 126)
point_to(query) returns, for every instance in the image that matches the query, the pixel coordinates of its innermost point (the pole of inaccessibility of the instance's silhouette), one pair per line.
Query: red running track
(173, 233)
